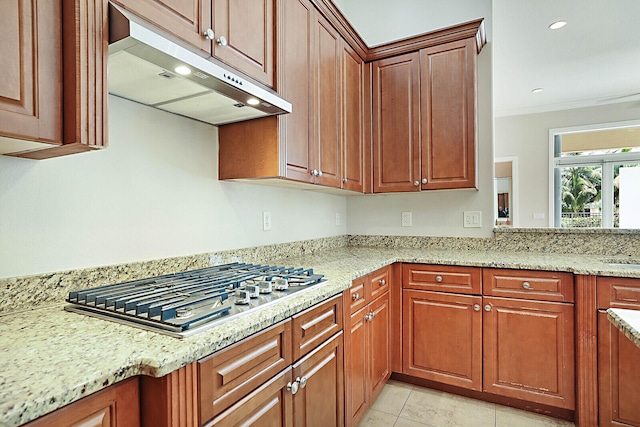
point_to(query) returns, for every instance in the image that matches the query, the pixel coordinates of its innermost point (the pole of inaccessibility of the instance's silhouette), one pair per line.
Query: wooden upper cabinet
(352, 119)
(396, 124)
(448, 109)
(53, 92)
(31, 64)
(244, 36)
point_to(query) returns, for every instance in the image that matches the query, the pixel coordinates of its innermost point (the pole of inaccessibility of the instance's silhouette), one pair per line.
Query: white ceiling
(593, 60)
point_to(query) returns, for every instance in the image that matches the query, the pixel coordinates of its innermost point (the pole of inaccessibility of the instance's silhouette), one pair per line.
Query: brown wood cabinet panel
(326, 151)
(461, 280)
(114, 406)
(352, 119)
(315, 325)
(356, 354)
(586, 351)
(185, 19)
(356, 296)
(269, 405)
(247, 26)
(320, 398)
(529, 284)
(529, 351)
(448, 108)
(396, 123)
(380, 344)
(619, 376)
(379, 283)
(228, 375)
(618, 292)
(442, 337)
(31, 64)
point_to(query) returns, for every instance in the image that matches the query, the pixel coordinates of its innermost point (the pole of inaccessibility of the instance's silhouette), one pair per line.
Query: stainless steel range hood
(142, 67)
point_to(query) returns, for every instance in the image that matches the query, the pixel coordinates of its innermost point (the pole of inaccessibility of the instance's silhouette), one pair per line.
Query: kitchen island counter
(51, 357)
(627, 321)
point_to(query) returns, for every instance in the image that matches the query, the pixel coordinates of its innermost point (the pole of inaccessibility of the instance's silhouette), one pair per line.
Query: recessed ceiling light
(253, 101)
(537, 90)
(181, 69)
(557, 25)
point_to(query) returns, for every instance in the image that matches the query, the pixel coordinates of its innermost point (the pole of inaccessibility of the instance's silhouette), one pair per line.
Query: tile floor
(404, 405)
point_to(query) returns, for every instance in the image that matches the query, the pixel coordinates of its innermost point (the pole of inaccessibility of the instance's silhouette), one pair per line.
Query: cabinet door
(396, 124)
(326, 157)
(442, 337)
(185, 19)
(295, 20)
(379, 344)
(268, 406)
(247, 26)
(356, 356)
(112, 407)
(529, 351)
(618, 376)
(352, 117)
(31, 70)
(448, 93)
(320, 398)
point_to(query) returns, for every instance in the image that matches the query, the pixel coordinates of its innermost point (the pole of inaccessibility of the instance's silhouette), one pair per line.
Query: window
(596, 178)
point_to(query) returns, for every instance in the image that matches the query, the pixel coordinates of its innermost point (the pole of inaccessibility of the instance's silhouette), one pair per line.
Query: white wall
(153, 193)
(435, 213)
(527, 137)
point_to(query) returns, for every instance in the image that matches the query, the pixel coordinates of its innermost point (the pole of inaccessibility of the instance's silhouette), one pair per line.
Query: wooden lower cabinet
(115, 406)
(443, 337)
(529, 351)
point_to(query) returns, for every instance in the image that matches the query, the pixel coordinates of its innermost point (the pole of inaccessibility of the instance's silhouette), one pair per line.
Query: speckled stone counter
(628, 321)
(51, 358)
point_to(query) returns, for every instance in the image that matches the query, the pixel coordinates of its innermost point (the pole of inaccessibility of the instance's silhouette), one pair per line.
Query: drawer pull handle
(356, 297)
(476, 307)
(370, 316)
(302, 381)
(293, 387)
(382, 282)
(439, 279)
(487, 307)
(526, 285)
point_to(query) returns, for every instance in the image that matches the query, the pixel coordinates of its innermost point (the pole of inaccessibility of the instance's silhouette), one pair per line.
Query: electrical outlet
(266, 220)
(337, 219)
(473, 219)
(406, 219)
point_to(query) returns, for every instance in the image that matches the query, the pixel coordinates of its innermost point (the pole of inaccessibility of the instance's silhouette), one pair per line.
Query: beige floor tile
(438, 409)
(374, 418)
(509, 417)
(392, 397)
(403, 422)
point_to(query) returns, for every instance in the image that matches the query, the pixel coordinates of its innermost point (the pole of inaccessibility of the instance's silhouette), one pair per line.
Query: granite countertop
(628, 321)
(51, 357)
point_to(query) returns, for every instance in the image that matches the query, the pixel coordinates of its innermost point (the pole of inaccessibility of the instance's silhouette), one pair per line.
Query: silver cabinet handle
(526, 285)
(439, 279)
(293, 387)
(209, 34)
(424, 180)
(302, 381)
(487, 307)
(416, 183)
(222, 41)
(382, 282)
(355, 297)
(345, 180)
(476, 307)
(319, 173)
(369, 316)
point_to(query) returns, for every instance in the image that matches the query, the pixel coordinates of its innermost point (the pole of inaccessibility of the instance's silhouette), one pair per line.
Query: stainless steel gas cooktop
(185, 303)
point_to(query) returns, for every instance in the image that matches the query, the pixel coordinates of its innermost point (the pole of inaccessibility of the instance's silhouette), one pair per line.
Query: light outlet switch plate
(266, 220)
(538, 215)
(473, 219)
(337, 219)
(406, 219)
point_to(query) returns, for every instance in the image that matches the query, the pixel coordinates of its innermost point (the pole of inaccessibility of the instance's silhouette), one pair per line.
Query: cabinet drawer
(528, 284)
(313, 326)
(618, 292)
(460, 280)
(356, 295)
(227, 376)
(379, 283)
